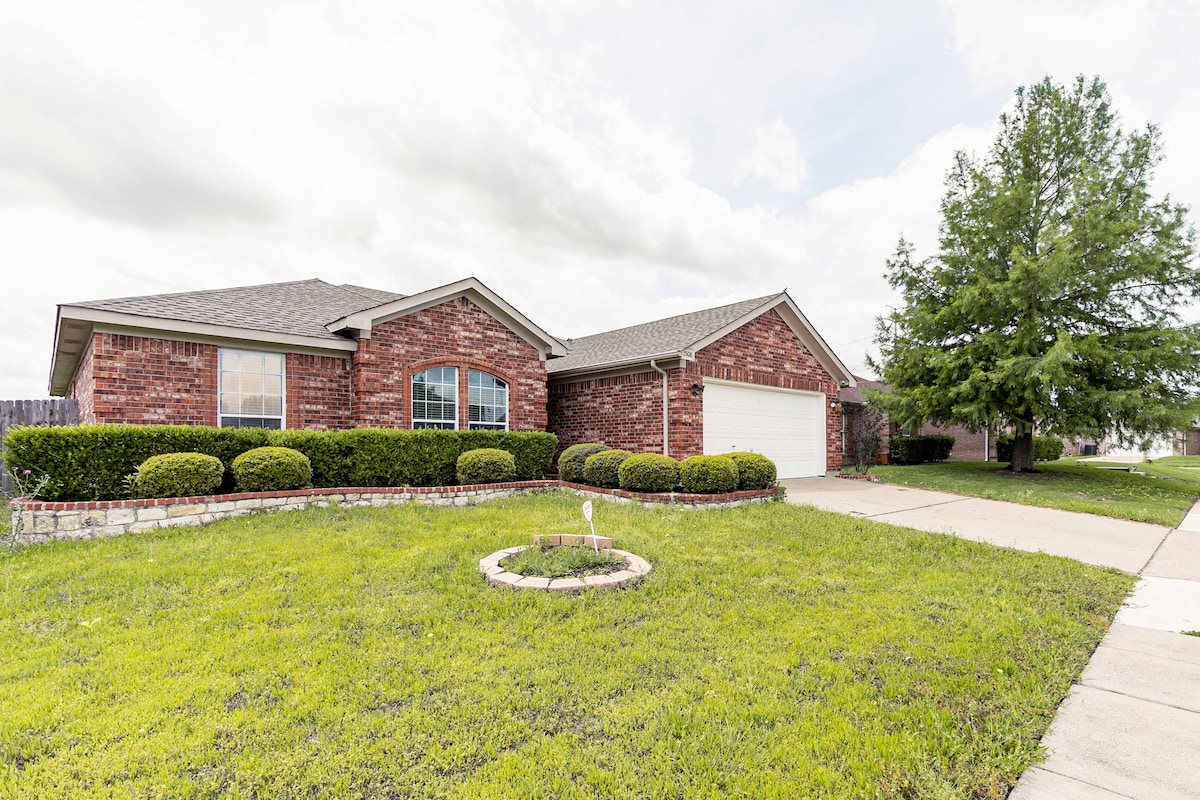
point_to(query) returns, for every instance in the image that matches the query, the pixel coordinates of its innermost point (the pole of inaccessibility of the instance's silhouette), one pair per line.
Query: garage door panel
(787, 427)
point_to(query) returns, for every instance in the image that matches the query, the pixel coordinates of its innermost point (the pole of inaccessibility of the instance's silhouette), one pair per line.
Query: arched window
(487, 402)
(435, 398)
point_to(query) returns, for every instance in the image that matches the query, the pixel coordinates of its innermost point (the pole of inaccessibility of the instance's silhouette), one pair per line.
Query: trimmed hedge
(603, 469)
(648, 472)
(570, 462)
(92, 462)
(271, 469)
(708, 474)
(486, 465)
(755, 471)
(1045, 448)
(178, 475)
(906, 450)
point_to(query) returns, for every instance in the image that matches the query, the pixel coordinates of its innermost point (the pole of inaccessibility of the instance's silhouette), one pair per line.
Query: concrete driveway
(1130, 729)
(1105, 542)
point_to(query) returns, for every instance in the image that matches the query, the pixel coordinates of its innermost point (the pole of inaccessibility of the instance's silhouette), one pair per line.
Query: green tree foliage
(1053, 302)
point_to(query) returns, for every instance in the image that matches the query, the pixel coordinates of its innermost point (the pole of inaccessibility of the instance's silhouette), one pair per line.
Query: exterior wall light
(697, 390)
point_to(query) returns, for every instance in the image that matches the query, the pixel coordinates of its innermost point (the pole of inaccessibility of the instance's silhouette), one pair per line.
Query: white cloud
(154, 147)
(776, 158)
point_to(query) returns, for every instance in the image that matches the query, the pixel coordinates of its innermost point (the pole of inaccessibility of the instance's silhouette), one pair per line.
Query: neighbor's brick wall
(456, 333)
(1187, 443)
(626, 411)
(765, 351)
(623, 411)
(83, 385)
(145, 381)
(318, 392)
(967, 446)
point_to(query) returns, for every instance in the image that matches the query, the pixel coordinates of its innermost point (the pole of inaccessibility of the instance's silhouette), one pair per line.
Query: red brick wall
(765, 351)
(456, 333)
(318, 392)
(967, 446)
(83, 385)
(144, 381)
(626, 411)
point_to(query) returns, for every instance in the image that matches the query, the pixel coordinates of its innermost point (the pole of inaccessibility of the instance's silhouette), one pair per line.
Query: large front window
(251, 389)
(435, 398)
(487, 402)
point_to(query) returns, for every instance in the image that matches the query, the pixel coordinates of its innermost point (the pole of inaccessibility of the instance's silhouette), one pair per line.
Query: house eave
(76, 325)
(668, 360)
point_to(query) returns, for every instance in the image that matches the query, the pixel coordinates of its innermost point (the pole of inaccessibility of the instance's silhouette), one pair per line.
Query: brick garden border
(43, 521)
(634, 570)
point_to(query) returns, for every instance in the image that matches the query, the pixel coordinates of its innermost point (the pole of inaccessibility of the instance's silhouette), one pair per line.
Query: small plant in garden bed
(562, 562)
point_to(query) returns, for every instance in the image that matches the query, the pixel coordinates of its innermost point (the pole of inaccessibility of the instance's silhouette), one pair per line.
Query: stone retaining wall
(40, 522)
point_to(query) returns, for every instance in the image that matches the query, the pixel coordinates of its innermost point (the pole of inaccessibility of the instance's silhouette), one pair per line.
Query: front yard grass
(774, 652)
(1160, 497)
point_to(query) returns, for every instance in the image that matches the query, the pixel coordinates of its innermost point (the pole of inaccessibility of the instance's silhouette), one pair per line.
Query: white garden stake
(587, 514)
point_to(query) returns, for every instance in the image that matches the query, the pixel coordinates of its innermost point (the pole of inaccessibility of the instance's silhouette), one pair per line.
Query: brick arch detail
(462, 364)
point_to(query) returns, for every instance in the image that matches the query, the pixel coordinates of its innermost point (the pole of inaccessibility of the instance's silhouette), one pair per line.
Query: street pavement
(1130, 729)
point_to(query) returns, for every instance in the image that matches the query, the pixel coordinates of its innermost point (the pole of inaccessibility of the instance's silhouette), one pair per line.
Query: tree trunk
(1022, 452)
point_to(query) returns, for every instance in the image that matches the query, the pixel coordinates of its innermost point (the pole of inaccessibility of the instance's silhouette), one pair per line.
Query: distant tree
(1053, 302)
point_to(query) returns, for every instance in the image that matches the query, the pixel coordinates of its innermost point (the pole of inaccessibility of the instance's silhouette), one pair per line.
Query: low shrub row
(263, 469)
(95, 462)
(594, 464)
(907, 450)
(1045, 448)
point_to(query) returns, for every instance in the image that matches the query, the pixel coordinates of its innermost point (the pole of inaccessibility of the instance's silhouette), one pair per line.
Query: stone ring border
(635, 569)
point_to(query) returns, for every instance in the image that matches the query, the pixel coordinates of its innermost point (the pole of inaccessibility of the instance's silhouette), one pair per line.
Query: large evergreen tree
(1054, 301)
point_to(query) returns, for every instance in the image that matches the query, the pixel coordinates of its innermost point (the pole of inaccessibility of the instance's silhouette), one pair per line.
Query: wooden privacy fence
(54, 411)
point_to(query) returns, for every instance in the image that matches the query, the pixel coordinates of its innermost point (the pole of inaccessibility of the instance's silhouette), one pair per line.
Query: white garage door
(786, 426)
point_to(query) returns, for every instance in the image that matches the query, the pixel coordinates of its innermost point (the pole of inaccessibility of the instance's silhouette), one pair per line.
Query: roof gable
(360, 323)
(680, 337)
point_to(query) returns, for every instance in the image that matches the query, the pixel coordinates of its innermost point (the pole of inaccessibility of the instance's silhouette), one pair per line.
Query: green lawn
(1163, 496)
(774, 652)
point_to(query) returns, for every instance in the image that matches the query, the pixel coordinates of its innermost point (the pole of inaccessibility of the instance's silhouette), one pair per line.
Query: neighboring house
(307, 354)
(968, 446)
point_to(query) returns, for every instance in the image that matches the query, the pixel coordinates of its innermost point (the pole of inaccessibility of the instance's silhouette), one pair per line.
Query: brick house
(308, 354)
(968, 445)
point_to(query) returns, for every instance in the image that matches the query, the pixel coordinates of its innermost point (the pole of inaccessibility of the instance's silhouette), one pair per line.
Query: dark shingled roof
(854, 394)
(650, 339)
(300, 308)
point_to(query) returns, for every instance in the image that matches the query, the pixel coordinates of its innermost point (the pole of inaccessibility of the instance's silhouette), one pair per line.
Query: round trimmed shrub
(755, 471)
(603, 469)
(648, 472)
(708, 474)
(570, 463)
(271, 469)
(178, 475)
(486, 465)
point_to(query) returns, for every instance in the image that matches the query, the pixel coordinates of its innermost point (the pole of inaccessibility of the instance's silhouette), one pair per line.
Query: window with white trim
(435, 398)
(251, 389)
(487, 402)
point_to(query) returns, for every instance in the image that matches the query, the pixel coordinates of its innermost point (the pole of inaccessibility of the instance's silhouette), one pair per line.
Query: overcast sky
(597, 164)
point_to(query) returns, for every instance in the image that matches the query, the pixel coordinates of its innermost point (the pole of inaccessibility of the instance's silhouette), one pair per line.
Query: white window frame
(262, 418)
(426, 421)
(480, 425)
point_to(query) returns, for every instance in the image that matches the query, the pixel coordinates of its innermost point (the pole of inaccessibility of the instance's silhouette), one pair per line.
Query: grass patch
(1159, 498)
(774, 652)
(562, 562)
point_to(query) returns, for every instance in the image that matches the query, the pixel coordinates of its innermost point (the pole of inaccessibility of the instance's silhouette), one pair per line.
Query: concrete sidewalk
(1131, 727)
